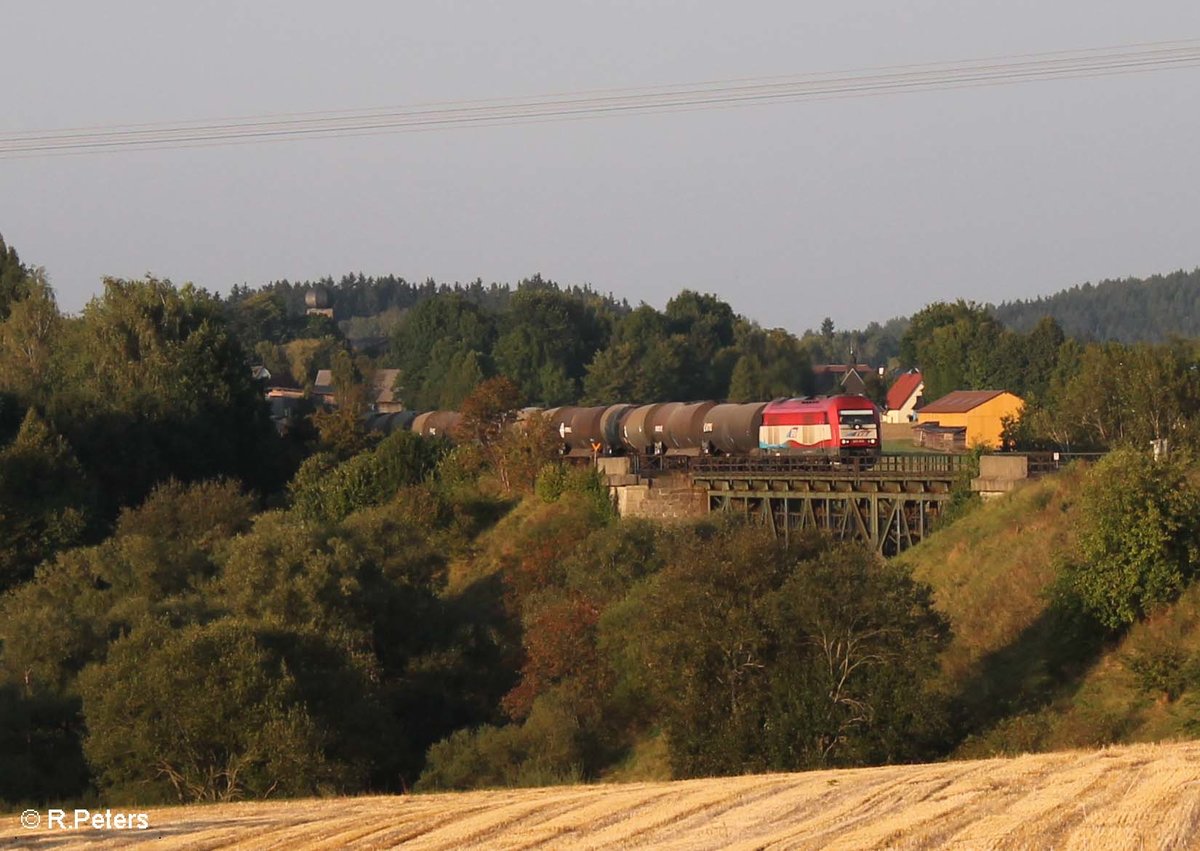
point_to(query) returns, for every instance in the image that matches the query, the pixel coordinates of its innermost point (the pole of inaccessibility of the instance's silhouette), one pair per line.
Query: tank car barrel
(684, 431)
(436, 423)
(583, 432)
(732, 429)
(637, 432)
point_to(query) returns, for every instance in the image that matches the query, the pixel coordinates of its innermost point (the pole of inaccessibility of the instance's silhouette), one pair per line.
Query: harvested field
(1144, 796)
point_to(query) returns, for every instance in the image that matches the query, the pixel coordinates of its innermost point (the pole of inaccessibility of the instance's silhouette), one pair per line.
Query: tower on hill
(319, 301)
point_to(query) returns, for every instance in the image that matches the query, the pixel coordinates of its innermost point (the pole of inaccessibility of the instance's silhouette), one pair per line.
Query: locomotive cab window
(856, 418)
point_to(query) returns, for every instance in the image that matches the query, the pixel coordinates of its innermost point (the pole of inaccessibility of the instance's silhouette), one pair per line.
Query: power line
(714, 94)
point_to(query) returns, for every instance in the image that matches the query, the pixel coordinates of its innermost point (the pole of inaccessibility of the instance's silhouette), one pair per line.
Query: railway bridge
(889, 503)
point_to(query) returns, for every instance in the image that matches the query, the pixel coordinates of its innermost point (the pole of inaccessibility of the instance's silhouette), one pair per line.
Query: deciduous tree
(1140, 538)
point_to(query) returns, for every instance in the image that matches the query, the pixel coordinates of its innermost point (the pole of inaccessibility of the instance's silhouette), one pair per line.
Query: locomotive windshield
(857, 418)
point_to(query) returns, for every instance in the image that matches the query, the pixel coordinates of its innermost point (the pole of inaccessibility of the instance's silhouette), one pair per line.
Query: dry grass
(990, 569)
(1144, 796)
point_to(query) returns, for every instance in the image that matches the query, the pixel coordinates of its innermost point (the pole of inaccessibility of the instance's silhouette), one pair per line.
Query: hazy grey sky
(856, 208)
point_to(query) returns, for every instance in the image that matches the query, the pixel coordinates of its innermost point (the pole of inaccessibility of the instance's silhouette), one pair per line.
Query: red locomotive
(831, 426)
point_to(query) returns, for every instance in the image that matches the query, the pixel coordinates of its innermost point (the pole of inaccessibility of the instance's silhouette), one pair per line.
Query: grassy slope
(1112, 705)
(1027, 675)
(990, 568)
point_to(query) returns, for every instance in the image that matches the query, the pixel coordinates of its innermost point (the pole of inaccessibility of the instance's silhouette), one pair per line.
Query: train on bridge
(837, 428)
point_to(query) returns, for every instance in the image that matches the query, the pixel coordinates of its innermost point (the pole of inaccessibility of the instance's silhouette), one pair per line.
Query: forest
(1129, 310)
(198, 608)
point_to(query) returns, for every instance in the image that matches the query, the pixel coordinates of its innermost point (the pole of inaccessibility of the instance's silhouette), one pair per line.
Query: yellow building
(979, 412)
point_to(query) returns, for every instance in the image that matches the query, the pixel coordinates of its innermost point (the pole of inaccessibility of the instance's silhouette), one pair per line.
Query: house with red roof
(903, 397)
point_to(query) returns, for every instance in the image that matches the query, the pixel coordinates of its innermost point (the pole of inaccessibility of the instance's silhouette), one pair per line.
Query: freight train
(834, 427)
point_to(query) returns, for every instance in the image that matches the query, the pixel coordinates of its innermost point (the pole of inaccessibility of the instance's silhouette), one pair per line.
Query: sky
(855, 208)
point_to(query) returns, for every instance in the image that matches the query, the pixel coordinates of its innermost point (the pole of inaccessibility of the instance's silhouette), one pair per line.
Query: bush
(557, 480)
(551, 482)
(327, 492)
(1161, 671)
(962, 500)
(201, 714)
(1138, 543)
(543, 751)
(765, 658)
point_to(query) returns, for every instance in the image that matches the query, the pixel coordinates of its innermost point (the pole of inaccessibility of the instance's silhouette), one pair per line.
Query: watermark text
(55, 819)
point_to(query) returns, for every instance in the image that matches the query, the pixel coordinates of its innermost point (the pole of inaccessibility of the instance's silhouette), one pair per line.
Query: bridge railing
(938, 464)
(911, 464)
(1043, 463)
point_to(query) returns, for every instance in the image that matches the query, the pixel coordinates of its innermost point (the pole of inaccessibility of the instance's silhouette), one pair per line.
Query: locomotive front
(858, 426)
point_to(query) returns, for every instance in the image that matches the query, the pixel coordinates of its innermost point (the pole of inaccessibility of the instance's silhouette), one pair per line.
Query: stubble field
(1144, 796)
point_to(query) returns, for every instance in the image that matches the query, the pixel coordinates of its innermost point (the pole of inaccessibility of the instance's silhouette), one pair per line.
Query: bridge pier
(999, 474)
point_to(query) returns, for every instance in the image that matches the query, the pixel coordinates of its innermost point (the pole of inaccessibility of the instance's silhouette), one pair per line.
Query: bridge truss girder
(889, 522)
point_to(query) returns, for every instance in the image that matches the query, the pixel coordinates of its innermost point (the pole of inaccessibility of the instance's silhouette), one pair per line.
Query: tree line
(560, 346)
(400, 622)
(1079, 396)
(1128, 310)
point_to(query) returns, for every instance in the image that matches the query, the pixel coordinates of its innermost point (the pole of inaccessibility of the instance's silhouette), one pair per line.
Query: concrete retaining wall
(999, 474)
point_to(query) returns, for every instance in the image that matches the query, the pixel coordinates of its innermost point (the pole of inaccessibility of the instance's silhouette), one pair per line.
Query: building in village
(965, 419)
(832, 379)
(381, 390)
(904, 397)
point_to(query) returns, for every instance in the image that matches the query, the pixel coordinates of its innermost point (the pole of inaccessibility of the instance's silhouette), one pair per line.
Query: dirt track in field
(1145, 796)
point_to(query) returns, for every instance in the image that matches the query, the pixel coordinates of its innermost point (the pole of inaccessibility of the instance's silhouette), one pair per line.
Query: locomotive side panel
(796, 427)
(835, 427)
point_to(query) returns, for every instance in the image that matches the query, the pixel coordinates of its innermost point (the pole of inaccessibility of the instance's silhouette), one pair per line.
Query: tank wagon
(834, 427)
(388, 423)
(732, 429)
(436, 423)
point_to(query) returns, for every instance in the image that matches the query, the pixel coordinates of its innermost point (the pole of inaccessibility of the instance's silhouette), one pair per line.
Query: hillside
(1137, 797)
(1129, 310)
(1027, 672)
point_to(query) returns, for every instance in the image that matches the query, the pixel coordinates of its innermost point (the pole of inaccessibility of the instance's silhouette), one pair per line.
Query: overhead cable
(1127, 59)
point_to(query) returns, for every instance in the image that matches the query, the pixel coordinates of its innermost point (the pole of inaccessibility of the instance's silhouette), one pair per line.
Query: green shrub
(962, 500)
(551, 482)
(322, 490)
(1162, 671)
(201, 714)
(1138, 540)
(543, 751)
(557, 480)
